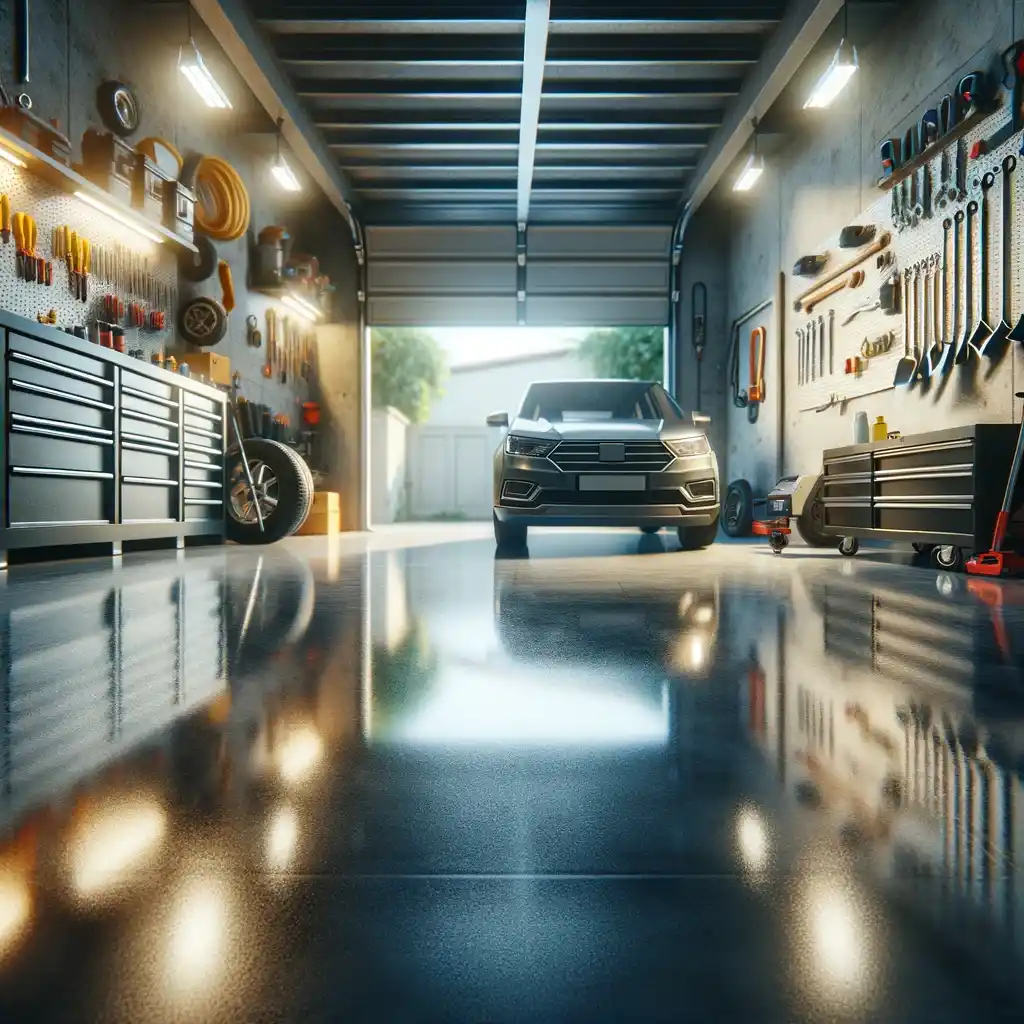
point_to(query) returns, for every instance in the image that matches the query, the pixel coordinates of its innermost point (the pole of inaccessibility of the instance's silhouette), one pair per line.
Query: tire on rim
(203, 321)
(282, 487)
(509, 536)
(692, 538)
(810, 524)
(738, 509)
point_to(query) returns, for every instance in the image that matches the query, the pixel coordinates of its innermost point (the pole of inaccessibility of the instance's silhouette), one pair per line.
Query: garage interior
(261, 762)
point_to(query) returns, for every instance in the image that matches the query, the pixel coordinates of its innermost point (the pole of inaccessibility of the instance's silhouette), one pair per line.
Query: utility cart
(939, 492)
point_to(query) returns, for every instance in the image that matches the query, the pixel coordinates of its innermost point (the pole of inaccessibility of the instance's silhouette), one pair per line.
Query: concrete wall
(389, 437)
(820, 175)
(472, 392)
(78, 45)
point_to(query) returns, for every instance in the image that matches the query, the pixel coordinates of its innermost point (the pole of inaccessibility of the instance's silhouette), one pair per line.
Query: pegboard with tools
(930, 275)
(61, 259)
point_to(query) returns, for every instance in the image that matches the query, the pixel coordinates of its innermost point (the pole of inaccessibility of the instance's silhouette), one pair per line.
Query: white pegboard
(911, 246)
(51, 208)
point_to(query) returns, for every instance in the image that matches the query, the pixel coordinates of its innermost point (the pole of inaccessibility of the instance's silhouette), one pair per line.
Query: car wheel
(810, 523)
(693, 537)
(649, 529)
(281, 489)
(509, 535)
(738, 509)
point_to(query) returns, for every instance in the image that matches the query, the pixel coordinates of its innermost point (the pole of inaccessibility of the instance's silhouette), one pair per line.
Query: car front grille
(585, 457)
(665, 497)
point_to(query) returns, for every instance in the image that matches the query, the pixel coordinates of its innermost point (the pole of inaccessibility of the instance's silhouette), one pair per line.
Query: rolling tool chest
(940, 488)
(103, 448)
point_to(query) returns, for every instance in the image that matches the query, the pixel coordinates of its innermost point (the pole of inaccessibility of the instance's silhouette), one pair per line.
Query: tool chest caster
(848, 546)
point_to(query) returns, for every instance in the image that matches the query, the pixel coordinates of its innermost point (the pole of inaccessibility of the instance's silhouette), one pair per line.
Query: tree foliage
(408, 370)
(632, 353)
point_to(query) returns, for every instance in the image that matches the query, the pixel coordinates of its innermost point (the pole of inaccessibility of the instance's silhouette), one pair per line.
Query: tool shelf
(66, 179)
(101, 448)
(937, 489)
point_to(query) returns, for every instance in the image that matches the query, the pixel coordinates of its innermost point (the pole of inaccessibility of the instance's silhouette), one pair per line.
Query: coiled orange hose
(219, 185)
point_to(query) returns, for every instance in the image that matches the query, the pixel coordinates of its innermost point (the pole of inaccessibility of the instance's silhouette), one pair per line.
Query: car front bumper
(558, 501)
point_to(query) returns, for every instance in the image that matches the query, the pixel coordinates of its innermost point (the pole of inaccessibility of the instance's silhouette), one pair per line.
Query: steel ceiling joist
(443, 105)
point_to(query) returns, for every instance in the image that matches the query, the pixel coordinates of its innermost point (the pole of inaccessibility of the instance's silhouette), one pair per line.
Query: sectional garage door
(488, 276)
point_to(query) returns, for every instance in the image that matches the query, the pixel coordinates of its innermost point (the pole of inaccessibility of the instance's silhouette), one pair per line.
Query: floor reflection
(422, 784)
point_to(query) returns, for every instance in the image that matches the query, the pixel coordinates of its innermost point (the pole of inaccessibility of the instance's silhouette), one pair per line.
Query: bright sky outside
(484, 344)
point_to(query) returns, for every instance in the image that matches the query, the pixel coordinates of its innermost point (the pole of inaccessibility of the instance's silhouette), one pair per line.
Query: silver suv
(604, 453)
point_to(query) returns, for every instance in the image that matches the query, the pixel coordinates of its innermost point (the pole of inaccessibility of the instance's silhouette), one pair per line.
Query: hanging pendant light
(752, 169)
(835, 77)
(283, 174)
(193, 67)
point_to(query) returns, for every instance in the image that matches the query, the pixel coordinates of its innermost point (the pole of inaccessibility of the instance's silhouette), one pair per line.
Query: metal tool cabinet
(102, 448)
(939, 488)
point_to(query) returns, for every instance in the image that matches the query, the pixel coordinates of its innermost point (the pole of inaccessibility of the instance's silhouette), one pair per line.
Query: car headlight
(528, 446)
(689, 446)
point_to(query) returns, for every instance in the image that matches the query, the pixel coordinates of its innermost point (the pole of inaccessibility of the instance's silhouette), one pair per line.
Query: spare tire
(283, 492)
(810, 524)
(738, 509)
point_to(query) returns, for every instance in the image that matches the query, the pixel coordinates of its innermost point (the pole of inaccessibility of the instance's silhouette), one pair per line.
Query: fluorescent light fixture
(6, 154)
(121, 218)
(752, 170)
(303, 307)
(285, 176)
(194, 68)
(833, 80)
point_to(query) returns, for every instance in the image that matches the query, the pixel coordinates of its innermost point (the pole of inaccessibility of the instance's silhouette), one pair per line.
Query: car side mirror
(498, 419)
(701, 419)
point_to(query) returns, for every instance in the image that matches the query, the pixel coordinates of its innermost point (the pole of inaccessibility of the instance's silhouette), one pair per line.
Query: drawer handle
(78, 474)
(203, 501)
(215, 434)
(40, 421)
(211, 466)
(149, 481)
(64, 522)
(213, 417)
(66, 371)
(193, 446)
(146, 417)
(210, 485)
(147, 397)
(135, 447)
(38, 389)
(19, 428)
(923, 504)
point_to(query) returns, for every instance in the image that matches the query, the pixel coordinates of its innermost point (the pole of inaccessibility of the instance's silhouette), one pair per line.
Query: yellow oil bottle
(879, 429)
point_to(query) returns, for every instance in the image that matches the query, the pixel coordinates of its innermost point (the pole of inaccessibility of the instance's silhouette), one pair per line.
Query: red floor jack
(998, 562)
(776, 530)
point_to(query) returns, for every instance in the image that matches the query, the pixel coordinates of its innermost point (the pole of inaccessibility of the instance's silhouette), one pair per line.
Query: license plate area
(780, 506)
(613, 482)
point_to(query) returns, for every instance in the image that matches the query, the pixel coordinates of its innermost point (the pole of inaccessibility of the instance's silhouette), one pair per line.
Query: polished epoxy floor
(398, 780)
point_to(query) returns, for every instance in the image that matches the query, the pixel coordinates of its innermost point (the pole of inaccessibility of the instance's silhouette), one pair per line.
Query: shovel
(981, 330)
(907, 365)
(954, 334)
(923, 332)
(986, 346)
(941, 319)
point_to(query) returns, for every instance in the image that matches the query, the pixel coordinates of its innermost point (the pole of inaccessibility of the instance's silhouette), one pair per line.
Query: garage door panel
(645, 243)
(412, 277)
(596, 311)
(386, 243)
(564, 277)
(441, 311)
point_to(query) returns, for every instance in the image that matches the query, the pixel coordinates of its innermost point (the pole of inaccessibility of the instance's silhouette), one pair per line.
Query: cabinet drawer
(34, 500)
(148, 502)
(155, 428)
(54, 352)
(149, 385)
(60, 383)
(202, 404)
(202, 471)
(852, 486)
(952, 482)
(848, 464)
(205, 508)
(848, 516)
(148, 464)
(204, 490)
(43, 448)
(211, 446)
(921, 456)
(152, 408)
(60, 410)
(937, 519)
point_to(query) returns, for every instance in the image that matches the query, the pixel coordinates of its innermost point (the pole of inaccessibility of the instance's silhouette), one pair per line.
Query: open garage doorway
(432, 389)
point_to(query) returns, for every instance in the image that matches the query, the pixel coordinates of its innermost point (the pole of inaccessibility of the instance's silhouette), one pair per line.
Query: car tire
(284, 480)
(692, 538)
(509, 536)
(738, 509)
(810, 524)
(649, 529)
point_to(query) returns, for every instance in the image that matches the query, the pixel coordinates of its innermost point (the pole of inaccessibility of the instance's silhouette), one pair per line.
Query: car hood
(618, 430)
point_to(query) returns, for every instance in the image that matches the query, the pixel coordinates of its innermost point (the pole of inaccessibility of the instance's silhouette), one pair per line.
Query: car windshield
(585, 401)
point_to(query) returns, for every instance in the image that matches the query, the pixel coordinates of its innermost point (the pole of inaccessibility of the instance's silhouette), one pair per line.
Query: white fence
(450, 471)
